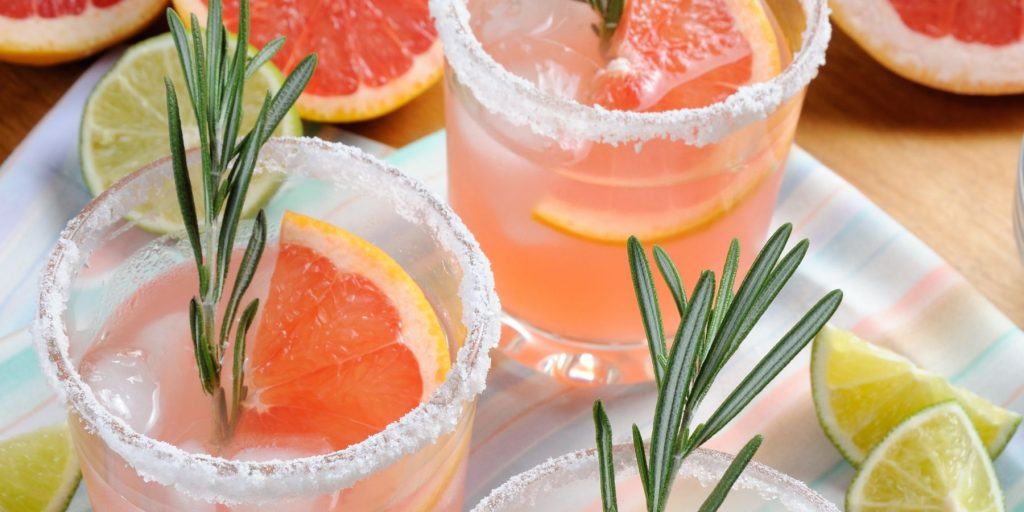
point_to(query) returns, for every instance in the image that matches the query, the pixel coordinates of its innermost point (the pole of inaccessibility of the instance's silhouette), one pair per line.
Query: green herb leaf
(725, 292)
(246, 271)
(285, 97)
(265, 54)
(182, 182)
(647, 299)
(603, 432)
(672, 395)
(238, 389)
(641, 461)
(731, 475)
(670, 273)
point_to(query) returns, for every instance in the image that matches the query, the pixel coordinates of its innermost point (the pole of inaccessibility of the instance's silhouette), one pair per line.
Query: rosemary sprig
(215, 79)
(711, 329)
(610, 12)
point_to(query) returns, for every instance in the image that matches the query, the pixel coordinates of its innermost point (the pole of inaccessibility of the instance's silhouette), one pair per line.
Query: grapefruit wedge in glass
(373, 57)
(347, 342)
(961, 46)
(42, 32)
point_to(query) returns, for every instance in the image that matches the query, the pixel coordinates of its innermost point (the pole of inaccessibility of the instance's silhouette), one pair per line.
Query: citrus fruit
(124, 127)
(50, 31)
(372, 57)
(670, 54)
(347, 342)
(40, 471)
(932, 461)
(959, 46)
(861, 392)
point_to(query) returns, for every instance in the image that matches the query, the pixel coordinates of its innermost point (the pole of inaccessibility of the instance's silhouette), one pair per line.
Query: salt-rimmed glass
(570, 483)
(416, 462)
(552, 187)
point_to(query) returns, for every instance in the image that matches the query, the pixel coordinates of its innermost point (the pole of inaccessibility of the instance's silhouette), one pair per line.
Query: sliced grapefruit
(962, 46)
(42, 32)
(670, 54)
(373, 55)
(347, 342)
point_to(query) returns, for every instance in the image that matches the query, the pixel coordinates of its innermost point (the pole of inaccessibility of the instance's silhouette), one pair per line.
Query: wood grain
(940, 164)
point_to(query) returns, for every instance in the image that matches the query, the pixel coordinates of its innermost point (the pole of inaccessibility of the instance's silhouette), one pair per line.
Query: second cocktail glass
(552, 178)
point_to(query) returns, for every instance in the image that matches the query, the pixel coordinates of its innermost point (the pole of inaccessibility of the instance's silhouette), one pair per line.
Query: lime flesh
(40, 471)
(862, 391)
(932, 461)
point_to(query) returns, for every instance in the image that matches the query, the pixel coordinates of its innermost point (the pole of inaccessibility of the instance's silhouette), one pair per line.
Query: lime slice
(932, 461)
(40, 471)
(861, 392)
(124, 127)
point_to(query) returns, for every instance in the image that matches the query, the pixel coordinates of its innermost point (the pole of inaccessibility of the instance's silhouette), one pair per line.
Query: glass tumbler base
(575, 362)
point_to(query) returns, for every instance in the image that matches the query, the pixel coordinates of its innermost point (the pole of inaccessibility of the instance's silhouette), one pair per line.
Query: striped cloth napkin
(898, 293)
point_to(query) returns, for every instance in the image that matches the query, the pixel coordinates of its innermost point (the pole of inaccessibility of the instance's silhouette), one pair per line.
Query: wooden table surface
(940, 164)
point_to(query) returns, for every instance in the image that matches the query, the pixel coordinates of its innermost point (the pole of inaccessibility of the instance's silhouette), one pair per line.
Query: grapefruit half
(347, 341)
(961, 46)
(373, 55)
(42, 32)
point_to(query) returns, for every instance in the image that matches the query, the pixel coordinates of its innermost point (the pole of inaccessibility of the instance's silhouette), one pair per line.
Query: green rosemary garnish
(610, 12)
(215, 79)
(709, 333)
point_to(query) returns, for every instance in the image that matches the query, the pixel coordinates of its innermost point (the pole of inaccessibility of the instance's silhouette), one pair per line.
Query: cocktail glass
(553, 187)
(103, 259)
(570, 483)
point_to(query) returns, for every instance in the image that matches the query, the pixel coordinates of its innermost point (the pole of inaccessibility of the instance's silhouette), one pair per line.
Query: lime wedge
(40, 471)
(862, 391)
(932, 461)
(124, 127)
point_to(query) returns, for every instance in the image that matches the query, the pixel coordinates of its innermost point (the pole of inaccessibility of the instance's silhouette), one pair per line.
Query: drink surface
(554, 215)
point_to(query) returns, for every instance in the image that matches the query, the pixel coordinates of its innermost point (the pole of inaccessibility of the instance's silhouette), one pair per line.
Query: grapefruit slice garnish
(670, 54)
(347, 342)
(961, 46)
(50, 31)
(609, 226)
(373, 55)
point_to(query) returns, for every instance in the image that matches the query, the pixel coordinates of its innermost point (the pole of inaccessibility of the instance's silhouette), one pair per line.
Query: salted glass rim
(221, 480)
(559, 471)
(522, 103)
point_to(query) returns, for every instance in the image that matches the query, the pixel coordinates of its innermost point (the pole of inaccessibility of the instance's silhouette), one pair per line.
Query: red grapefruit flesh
(373, 55)
(42, 32)
(962, 46)
(347, 342)
(672, 54)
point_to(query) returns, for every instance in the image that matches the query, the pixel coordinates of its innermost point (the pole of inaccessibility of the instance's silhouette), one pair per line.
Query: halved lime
(124, 127)
(932, 461)
(862, 391)
(40, 471)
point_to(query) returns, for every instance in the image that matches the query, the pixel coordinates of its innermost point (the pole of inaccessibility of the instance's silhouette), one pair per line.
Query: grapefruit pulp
(373, 55)
(347, 342)
(961, 46)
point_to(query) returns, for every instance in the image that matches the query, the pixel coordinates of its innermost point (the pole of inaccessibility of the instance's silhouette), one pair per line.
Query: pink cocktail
(114, 332)
(562, 145)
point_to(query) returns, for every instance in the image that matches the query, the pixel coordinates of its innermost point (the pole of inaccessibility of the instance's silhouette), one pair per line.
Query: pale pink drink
(560, 148)
(113, 331)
